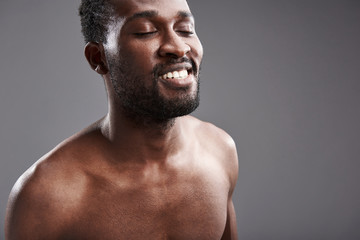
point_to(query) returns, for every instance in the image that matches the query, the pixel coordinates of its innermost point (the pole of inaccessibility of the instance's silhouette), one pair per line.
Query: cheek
(139, 55)
(197, 49)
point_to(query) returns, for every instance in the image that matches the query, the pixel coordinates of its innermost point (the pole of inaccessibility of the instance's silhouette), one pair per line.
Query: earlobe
(95, 55)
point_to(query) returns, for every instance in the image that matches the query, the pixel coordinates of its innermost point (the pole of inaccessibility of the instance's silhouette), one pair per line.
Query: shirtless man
(145, 170)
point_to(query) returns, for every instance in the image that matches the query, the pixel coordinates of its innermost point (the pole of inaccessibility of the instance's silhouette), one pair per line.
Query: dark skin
(126, 179)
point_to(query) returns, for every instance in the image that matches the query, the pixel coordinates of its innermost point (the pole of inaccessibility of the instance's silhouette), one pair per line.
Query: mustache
(158, 67)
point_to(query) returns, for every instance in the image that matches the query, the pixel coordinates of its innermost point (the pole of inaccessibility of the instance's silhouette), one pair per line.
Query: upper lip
(176, 67)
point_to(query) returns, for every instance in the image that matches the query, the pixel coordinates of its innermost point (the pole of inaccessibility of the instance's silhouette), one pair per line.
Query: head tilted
(133, 44)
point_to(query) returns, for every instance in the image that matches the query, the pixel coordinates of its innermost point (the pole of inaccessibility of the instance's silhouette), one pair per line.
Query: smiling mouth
(175, 75)
(178, 79)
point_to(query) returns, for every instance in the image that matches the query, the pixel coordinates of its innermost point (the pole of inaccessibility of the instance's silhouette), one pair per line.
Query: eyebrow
(152, 13)
(184, 14)
(144, 14)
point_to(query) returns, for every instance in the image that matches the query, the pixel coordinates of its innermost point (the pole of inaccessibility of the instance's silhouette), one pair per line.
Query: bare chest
(186, 207)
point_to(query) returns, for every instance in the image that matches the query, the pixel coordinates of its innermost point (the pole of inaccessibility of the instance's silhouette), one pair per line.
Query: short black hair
(94, 17)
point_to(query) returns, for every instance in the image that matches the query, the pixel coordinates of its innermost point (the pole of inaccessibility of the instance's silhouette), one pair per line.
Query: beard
(143, 102)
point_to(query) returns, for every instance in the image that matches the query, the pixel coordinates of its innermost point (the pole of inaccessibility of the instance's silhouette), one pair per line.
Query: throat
(144, 139)
(161, 126)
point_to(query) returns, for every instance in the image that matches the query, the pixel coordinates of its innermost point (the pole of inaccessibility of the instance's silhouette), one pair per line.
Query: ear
(95, 55)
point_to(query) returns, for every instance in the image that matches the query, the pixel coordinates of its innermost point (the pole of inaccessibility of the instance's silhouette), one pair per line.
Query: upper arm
(231, 164)
(33, 211)
(230, 232)
(28, 214)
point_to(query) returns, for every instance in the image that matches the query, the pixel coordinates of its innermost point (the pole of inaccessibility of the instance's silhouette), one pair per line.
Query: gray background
(282, 77)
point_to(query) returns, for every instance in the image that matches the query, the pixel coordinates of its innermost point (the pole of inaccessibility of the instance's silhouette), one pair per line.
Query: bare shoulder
(211, 135)
(46, 197)
(207, 129)
(37, 201)
(218, 142)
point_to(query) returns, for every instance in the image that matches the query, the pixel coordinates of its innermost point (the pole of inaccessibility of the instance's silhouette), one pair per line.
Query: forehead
(127, 8)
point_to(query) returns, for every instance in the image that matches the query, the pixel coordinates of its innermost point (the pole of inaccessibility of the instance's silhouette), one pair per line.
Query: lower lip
(179, 83)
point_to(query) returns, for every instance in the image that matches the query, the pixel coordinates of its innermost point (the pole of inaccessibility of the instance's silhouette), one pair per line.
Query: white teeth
(176, 74)
(181, 74)
(169, 75)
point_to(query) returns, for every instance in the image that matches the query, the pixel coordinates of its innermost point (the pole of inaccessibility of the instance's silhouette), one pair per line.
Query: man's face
(154, 57)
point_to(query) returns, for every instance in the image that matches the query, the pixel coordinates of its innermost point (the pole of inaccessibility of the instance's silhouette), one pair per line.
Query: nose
(173, 46)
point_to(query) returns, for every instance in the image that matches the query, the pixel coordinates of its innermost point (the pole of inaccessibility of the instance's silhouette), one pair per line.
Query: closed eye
(185, 33)
(145, 34)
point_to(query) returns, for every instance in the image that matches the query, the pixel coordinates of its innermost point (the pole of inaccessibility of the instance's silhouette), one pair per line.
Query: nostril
(173, 55)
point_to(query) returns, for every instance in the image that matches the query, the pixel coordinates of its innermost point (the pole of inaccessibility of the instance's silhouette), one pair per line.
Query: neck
(143, 139)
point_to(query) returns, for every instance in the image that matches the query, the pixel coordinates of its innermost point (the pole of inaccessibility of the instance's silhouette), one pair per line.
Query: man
(146, 170)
